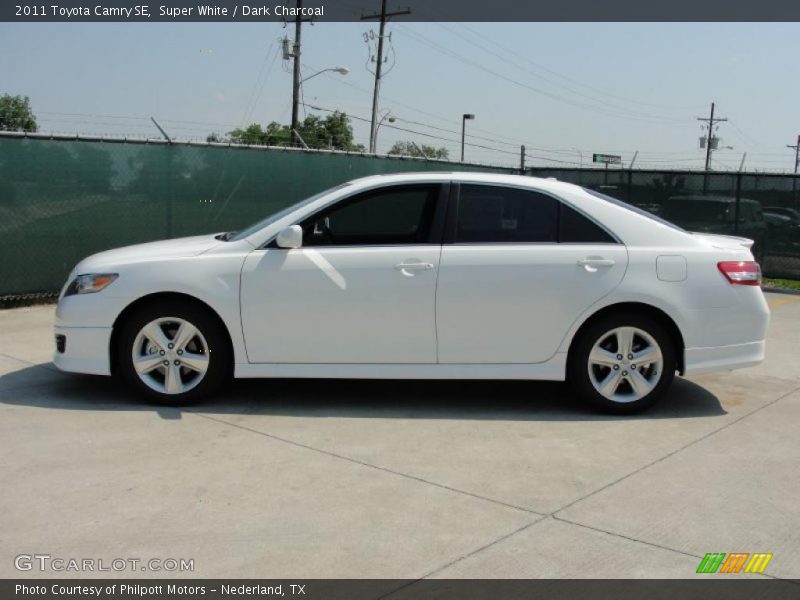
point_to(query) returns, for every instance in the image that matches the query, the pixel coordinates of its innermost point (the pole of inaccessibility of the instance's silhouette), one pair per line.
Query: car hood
(176, 248)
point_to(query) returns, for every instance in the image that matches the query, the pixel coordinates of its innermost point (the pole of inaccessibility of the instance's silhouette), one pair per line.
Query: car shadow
(42, 387)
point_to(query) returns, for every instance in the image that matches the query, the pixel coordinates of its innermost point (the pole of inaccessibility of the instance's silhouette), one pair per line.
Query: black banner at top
(413, 10)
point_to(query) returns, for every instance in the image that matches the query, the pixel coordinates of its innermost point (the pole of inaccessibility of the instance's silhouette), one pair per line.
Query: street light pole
(387, 116)
(464, 119)
(340, 70)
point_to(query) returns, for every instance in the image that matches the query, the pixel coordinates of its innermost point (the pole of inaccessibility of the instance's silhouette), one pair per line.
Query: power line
(438, 137)
(574, 81)
(260, 82)
(422, 39)
(516, 141)
(505, 58)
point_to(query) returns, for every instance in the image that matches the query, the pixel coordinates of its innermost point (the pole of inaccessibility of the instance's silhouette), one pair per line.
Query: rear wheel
(622, 364)
(174, 353)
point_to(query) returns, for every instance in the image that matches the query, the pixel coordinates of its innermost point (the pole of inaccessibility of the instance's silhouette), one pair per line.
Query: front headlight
(90, 283)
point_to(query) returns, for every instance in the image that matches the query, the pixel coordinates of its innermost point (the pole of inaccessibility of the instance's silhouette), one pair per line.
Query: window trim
(451, 225)
(441, 201)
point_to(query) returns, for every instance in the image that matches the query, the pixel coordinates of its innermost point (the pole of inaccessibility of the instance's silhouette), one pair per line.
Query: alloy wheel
(625, 364)
(170, 355)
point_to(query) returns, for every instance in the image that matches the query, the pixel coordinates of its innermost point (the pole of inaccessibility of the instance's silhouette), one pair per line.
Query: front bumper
(85, 350)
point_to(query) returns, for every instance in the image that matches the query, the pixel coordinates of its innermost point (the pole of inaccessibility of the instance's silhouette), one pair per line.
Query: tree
(334, 131)
(16, 114)
(251, 135)
(412, 149)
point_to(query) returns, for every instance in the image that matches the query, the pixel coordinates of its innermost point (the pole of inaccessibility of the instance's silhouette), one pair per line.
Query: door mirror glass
(290, 237)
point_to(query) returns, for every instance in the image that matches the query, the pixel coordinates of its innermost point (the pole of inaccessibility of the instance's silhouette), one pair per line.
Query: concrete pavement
(290, 478)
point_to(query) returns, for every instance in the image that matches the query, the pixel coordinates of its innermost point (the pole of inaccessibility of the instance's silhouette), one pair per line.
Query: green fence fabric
(62, 200)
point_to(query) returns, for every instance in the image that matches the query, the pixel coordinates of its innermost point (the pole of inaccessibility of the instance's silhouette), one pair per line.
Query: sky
(565, 90)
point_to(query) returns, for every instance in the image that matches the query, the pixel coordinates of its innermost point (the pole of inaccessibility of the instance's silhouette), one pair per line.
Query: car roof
(468, 177)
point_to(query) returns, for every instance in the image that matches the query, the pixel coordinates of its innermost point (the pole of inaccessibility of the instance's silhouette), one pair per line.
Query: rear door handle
(414, 266)
(592, 264)
(596, 262)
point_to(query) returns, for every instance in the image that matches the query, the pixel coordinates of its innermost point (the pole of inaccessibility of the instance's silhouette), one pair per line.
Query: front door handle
(414, 266)
(406, 268)
(591, 263)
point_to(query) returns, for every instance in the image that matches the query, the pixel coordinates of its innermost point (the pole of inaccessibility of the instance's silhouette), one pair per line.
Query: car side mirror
(290, 237)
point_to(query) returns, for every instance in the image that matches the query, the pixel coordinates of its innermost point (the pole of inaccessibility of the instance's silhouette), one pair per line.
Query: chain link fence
(62, 199)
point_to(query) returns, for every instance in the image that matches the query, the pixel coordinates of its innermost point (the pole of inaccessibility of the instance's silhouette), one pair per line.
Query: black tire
(217, 351)
(578, 375)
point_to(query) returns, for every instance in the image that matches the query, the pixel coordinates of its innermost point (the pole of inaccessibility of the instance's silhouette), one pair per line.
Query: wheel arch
(642, 308)
(155, 298)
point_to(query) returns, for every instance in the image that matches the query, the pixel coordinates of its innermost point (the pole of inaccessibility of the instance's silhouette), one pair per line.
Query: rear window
(574, 228)
(634, 209)
(488, 213)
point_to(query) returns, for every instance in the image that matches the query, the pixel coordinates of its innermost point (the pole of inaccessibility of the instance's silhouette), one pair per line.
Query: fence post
(629, 193)
(169, 176)
(738, 202)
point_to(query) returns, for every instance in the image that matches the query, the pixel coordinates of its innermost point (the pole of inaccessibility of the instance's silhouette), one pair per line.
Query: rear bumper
(85, 350)
(723, 358)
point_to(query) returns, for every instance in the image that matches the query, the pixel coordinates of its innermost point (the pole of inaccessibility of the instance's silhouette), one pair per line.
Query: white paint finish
(210, 275)
(512, 303)
(718, 358)
(375, 307)
(671, 268)
(551, 370)
(360, 304)
(81, 353)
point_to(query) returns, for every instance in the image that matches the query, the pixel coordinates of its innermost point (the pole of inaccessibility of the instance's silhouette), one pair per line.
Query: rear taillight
(741, 272)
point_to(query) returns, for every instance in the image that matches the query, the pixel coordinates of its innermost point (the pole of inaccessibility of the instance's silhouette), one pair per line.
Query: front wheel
(622, 364)
(174, 353)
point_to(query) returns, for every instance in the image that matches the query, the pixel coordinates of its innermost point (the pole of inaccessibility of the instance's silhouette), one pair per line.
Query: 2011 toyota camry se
(423, 276)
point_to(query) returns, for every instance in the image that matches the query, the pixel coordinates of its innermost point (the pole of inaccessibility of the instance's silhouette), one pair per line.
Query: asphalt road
(398, 479)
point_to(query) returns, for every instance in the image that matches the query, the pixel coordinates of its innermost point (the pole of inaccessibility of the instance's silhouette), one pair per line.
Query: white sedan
(423, 276)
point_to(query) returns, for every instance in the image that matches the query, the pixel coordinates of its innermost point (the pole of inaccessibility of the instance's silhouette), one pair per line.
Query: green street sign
(607, 159)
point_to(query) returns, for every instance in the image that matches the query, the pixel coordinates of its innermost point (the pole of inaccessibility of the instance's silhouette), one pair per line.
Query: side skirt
(552, 370)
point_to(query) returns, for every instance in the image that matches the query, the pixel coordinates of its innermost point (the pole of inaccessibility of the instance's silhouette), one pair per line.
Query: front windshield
(240, 235)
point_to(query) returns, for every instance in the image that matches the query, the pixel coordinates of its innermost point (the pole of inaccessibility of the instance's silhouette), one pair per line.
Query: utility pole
(383, 16)
(710, 136)
(796, 148)
(298, 30)
(522, 160)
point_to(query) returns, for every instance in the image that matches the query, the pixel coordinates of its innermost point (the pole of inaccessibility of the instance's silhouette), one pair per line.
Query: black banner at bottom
(373, 589)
